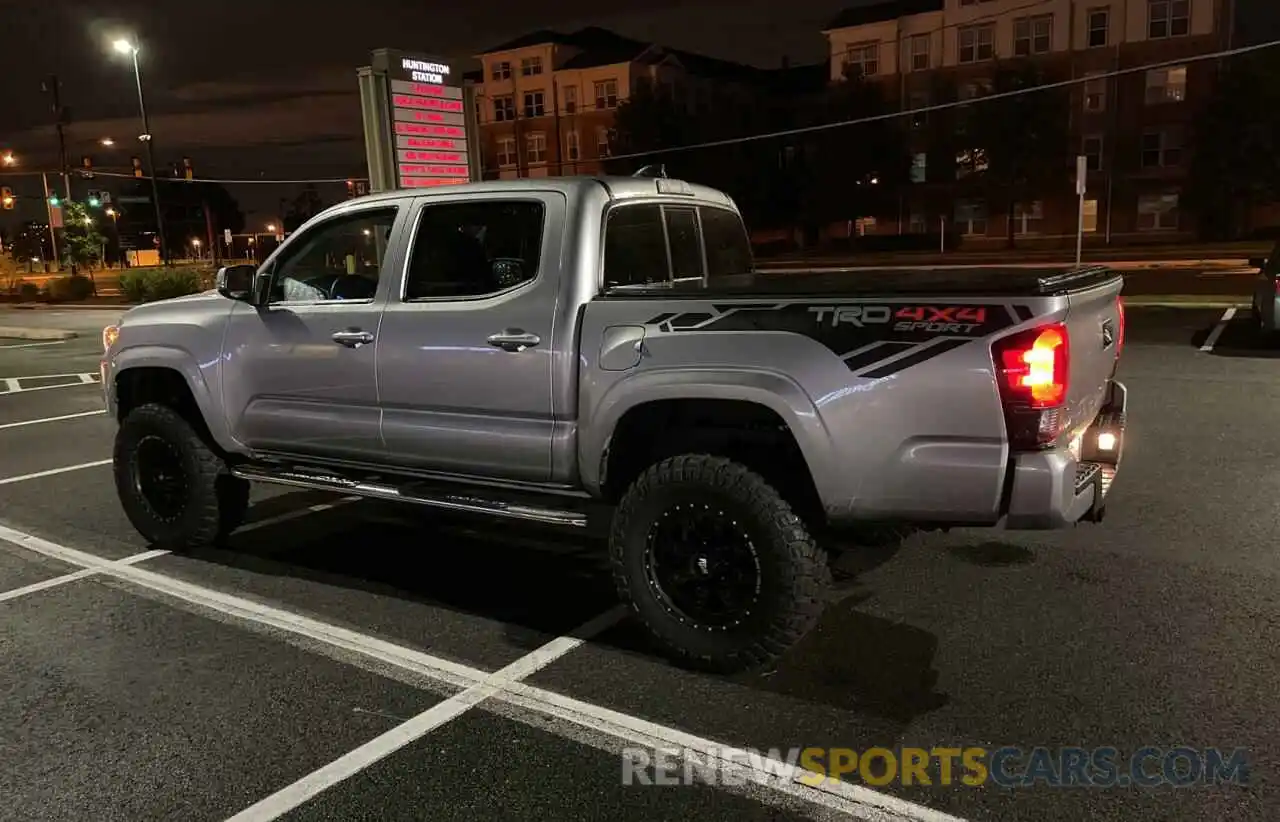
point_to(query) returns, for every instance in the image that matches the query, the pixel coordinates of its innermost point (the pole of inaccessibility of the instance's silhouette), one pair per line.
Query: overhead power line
(233, 182)
(989, 98)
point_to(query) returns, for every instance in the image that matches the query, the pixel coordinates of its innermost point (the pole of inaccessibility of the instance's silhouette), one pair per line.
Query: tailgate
(1095, 329)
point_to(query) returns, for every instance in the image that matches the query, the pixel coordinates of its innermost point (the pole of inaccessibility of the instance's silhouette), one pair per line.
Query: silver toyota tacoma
(548, 349)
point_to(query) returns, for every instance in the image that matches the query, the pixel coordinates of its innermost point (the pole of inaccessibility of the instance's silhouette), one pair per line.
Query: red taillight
(1120, 329)
(1032, 369)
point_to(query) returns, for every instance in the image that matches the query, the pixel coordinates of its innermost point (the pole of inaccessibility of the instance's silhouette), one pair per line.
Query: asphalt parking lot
(349, 660)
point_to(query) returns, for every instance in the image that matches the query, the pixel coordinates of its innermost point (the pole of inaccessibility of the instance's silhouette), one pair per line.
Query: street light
(127, 47)
(107, 141)
(9, 159)
(271, 227)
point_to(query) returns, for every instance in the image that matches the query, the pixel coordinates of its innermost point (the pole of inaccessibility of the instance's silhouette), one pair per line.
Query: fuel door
(621, 347)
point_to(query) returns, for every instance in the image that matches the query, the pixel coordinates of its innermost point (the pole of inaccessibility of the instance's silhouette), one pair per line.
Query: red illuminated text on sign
(428, 90)
(460, 171)
(423, 142)
(428, 117)
(406, 101)
(438, 131)
(429, 182)
(435, 156)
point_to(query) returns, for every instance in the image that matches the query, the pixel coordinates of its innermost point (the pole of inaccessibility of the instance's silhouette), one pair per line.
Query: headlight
(109, 336)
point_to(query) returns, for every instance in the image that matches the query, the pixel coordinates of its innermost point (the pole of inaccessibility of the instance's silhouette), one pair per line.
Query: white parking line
(45, 585)
(14, 384)
(53, 472)
(32, 345)
(853, 800)
(1212, 339)
(52, 419)
(347, 765)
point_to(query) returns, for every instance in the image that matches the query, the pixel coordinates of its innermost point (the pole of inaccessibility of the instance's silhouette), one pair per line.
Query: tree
(31, 242)
(1013, 148)
(854, 170)
(305, 206)
(1235, 141)
(81, 241)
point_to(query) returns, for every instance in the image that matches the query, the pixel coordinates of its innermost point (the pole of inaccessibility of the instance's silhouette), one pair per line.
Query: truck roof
(618, 188)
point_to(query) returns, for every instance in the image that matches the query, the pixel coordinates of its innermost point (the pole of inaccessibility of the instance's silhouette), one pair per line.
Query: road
(348, 644)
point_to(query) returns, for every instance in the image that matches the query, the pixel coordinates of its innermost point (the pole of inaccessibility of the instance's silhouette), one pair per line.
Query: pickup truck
(546, 350)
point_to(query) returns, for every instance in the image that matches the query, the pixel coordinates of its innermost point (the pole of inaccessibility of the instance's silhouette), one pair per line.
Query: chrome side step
(417, 493)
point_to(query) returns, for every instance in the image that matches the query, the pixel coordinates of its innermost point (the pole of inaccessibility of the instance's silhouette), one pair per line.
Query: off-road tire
(794, 575)
(214, 502)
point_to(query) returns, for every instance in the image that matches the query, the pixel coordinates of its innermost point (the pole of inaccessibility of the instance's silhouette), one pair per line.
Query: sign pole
(1082, 173)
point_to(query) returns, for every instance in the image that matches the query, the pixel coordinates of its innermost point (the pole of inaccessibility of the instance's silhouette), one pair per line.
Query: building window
(1090, 216)
(535, 147)
(533, 104)
(917, 223)
(571, 147)
(1032, 35)
(607, 94)
(1099, 23)
(971, 161)
(529, 66)
(920, 52)
(919, 167)
(1161, 149)
(1168, 18)
(971, 218)
(502, 71)
(1092, 151)
(916, 103)
(1158, 212)
(977, 42)
(1095, 94)
(506, 151)
(570, 99)
(862, 60)
(602, 142)
(1028, 217)
(504, 108)
(1166, 85)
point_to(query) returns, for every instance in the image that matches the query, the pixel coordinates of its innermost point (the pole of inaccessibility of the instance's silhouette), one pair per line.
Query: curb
(13, 332)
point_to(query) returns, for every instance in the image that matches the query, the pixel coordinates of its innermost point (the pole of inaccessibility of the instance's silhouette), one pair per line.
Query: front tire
(174, 489)
(715, 564)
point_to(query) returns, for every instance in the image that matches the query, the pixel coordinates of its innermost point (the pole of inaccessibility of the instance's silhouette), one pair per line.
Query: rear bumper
(1064, 486)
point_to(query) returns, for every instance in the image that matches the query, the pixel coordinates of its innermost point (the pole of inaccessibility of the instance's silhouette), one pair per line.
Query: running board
(415, 492)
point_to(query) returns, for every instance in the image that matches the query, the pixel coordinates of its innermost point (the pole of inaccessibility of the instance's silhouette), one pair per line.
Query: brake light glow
(1032, 372)
(1120, 326)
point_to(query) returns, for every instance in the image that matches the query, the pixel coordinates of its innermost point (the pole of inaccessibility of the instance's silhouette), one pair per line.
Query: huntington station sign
(419, 122)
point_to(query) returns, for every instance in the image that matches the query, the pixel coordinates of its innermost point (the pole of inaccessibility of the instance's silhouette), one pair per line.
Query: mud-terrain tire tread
(218, 501)
(804, 569)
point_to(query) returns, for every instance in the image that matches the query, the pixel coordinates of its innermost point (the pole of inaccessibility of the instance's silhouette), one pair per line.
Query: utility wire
(233, 182)
(989, 98)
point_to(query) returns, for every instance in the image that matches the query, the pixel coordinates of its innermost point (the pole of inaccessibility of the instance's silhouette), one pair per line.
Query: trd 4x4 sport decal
(861, 334)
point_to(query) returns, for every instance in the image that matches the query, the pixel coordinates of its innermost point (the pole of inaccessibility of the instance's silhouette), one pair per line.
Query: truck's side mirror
(1257, 262)
(235, 282)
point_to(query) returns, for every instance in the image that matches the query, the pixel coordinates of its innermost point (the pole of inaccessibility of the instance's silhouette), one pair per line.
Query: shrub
(145, 285)
(69, 289)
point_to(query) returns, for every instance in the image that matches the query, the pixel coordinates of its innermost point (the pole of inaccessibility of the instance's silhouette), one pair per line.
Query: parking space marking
(853, 800)
(15, 387)
(1212, 339)
(32, 345)
(36, 587)
(348, 765)
(301, 512)
(53, 472)
(52, 419)
(11, 385)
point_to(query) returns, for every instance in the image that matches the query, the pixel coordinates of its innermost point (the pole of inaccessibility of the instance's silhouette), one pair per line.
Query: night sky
(267, 88)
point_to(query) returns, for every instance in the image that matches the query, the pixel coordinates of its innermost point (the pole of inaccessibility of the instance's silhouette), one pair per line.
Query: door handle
(514, 339)
(352, 337)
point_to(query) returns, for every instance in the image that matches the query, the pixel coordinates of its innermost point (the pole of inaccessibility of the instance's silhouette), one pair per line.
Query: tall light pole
(126, 47)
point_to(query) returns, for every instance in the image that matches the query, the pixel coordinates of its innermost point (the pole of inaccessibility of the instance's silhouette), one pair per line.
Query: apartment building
(546, 101)
(1132, 127)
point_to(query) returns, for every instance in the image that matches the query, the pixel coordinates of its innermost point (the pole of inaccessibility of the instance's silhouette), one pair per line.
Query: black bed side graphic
(863, 334)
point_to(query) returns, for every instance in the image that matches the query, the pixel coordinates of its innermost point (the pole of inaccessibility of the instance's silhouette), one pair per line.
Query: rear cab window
(648, 244)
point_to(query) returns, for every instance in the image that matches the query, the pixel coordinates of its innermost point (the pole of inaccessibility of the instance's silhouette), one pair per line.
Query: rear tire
(716, 565)
(175, 490)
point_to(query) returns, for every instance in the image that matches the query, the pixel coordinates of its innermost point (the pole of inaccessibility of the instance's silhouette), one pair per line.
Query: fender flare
(182, 362)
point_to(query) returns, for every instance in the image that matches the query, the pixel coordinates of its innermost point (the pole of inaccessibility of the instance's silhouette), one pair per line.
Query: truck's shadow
(542, 582)
(1240, 337)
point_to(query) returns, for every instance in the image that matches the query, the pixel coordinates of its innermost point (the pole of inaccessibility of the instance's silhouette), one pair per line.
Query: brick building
(1132, 127)
(546, 101)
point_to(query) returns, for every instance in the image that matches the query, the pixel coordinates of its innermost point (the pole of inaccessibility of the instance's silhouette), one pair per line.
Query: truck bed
(886, 284)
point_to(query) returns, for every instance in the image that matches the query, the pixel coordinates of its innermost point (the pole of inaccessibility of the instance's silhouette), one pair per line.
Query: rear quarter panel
(897, 418)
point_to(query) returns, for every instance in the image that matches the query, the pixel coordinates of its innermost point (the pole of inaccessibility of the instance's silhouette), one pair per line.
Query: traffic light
(188, 172)
(54, 200)
(95, 199)
(6, 198)
(86, 167)
(137, 167)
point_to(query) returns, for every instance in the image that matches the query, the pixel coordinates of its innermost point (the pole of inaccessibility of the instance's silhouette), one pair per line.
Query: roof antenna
(656, 170)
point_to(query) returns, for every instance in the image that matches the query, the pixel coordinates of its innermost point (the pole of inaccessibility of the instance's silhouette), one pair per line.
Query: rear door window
(635, 247)
(728, 249)
(685, 244)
